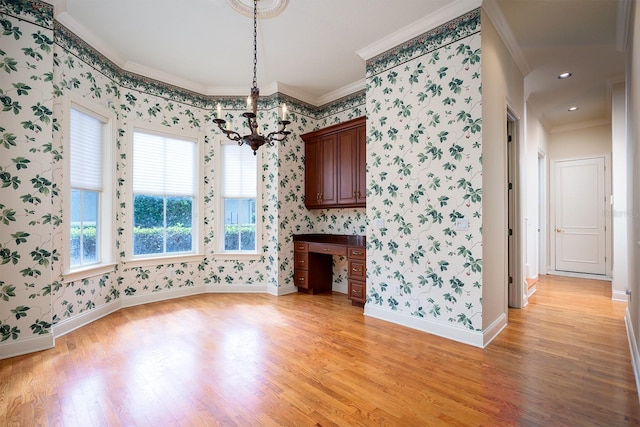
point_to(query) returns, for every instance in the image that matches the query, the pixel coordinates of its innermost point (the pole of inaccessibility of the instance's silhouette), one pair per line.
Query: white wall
(580, 142)
(536, 144)
(633, 179)
(619, 211)
(502, 87)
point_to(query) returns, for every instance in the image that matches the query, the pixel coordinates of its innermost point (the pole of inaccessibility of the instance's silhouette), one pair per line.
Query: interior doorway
(516, 295)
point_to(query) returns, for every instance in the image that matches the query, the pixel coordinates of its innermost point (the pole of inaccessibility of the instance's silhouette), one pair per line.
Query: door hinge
(510, 186)
(509, 138)
(510, 279)
(510, 232)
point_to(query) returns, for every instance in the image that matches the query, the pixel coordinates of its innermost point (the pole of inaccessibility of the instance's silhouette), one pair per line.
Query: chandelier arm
(232, 135)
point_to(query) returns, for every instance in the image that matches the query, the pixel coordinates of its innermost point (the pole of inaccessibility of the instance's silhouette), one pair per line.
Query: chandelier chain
(255, 43)
(254, 139)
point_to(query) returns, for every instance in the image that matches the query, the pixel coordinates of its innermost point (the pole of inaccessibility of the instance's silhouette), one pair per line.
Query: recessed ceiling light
(573, 108)
(564, 75)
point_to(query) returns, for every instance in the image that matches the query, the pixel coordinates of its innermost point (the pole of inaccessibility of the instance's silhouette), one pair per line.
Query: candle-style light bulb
(284, 112)
(248, 103)
(219, 111)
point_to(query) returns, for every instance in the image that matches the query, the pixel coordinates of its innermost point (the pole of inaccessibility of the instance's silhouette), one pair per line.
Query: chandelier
(254, 139)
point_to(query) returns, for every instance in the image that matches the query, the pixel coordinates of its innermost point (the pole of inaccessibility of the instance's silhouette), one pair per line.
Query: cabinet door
(312, 173)
(328, 170)
(347, 168)
(361, 162)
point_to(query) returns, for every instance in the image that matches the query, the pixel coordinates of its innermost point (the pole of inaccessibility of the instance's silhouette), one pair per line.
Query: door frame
(552, 216)
(543, 266)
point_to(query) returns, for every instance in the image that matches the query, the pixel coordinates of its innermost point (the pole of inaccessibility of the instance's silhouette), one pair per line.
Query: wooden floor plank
(245, 360)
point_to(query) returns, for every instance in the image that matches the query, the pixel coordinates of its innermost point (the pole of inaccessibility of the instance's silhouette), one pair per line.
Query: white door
(580, 243)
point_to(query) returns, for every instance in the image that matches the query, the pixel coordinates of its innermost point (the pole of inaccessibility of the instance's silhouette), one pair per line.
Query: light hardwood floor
(302, 360)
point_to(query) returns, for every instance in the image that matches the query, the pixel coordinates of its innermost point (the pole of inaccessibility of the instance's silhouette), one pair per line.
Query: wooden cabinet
(312, 272)
(313, 262)
(357, 275)
(335, 166)
(320, 171)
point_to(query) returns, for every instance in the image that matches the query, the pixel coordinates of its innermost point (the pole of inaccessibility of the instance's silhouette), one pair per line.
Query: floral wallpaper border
(450, 32)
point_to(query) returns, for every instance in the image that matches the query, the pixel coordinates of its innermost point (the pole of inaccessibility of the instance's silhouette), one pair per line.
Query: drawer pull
(356, 252)
(326, 249)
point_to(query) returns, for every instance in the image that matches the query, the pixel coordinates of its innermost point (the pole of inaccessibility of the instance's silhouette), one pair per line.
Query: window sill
(86, 272)
(178, 259)
(237, 256)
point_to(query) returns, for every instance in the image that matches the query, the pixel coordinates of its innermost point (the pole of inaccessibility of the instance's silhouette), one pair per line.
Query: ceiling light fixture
(573, 108)
(564, 76)
(254, 139)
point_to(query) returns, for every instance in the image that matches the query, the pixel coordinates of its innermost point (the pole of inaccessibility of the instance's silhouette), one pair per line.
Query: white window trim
(107, 200)
(198, 221)
(219, 251)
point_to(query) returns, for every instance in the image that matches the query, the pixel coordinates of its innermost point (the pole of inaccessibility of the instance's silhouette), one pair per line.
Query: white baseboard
(343, 288)
(494, 329)
(619, 296)
(28, 345)
(237, 289)
(133, 300)
(286, 290)
(633, 347)
(71, 324)
(464, 336)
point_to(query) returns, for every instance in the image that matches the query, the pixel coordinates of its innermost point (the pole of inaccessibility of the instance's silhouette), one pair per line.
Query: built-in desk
(313, 263)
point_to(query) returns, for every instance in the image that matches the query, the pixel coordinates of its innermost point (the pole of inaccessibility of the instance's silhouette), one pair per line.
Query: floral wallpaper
(424, 234)
(423, 102)
(27, 159)
(44, 64)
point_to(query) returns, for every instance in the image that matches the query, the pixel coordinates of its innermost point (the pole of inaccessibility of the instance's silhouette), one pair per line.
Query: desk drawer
(301, 260)
(356, 291)
(301, 279)
(329, 249)
(300, 247)
(357, 253)
(357, 270)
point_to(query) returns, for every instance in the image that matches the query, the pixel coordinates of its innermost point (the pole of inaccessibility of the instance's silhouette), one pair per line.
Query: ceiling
(310, 50)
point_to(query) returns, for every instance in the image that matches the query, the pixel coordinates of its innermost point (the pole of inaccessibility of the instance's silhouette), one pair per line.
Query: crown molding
(498, 20)
(272, 88)
(347, 90)
(441, 16)
(96, 43)
(162, 76)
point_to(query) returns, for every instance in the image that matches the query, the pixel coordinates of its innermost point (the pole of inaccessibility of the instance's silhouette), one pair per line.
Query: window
(238, 191)
(86, 231)
(164, 194)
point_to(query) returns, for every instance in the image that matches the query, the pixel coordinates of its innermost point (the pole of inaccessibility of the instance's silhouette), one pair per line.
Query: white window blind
(239, 172)
(85, 151)
(163, 165)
